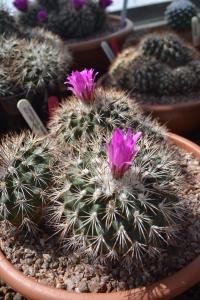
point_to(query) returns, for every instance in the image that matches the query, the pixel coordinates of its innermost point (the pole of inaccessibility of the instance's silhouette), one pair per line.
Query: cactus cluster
(179, 14)
(161, 65)
(32, 63)
(67, 18)
(111, 194)
(26, 167)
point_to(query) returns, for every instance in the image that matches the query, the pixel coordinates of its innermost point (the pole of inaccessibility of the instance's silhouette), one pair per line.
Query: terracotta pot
(179, 118)
(164, 289)
(89, 54)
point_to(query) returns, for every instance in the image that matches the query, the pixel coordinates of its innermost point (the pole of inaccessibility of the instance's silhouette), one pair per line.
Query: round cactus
(179, 14)
(108, 205)
(33, 63)
(168, 48)
(26, 167)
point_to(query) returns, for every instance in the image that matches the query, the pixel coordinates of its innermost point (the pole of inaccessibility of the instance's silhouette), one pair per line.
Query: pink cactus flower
(21, 5)
(42, 16)
(82, 84)
(105, 3)
(78, 3)
(121, 151)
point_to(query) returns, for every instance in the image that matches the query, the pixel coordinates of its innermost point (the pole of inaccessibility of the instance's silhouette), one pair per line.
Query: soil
(39, 257)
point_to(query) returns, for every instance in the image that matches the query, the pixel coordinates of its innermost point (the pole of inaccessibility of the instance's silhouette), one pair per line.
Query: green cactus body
(35, 62)
(179, 14)
(26, 164)
(73, 121)
(49, 5)
(117, 218)
(76, 23)
(168, 48)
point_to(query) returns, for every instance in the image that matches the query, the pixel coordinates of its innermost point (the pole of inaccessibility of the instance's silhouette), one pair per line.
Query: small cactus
(167, 48)
(179, 14)
(69, 19)
(92, 109)
(161, 65)
(26, 167)
(33, 64)
(114, 206)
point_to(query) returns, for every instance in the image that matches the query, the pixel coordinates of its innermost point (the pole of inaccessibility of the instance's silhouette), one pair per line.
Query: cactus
(161, 65)
(8, 24)
(26, 167)
(33, 64)
(168, 48)
(69, 19)
(179, 14)
(99, 109)
(121, 210)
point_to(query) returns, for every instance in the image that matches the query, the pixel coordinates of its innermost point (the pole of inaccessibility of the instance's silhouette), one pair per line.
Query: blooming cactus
(121, 151)
(21, 5)
(82, 84)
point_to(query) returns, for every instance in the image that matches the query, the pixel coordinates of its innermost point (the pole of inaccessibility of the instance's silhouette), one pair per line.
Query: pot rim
(164, 289)
(93, 42)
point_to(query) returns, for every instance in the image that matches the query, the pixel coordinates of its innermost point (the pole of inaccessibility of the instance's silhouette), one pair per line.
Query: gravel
(40, 258)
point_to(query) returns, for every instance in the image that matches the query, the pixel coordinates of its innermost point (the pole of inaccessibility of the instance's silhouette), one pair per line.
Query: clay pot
(180, 118)
(89, 54)
(164, 289)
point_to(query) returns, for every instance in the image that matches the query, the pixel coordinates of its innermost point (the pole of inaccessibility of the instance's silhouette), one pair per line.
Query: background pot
(180, 118)
(89, 54)
(164, 289)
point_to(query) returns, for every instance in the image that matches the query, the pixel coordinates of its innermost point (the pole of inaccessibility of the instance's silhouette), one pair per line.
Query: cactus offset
(8, 24)
(26, 166)
(179, 14)
(119, 218)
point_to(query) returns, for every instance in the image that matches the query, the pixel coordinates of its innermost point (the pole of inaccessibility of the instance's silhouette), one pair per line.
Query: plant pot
(163, 289)
(89, 54)
(179, 118)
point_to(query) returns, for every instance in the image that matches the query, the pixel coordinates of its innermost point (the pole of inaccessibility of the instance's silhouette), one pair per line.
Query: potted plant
(162, 74)
(32, 66)
(111, 197)
(82, 24)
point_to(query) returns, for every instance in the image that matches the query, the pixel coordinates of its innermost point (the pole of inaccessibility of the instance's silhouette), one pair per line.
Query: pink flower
(21, 5)
(121, 151)
(105, 3)
(78, 3)
(42, 16)
(82, 85)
